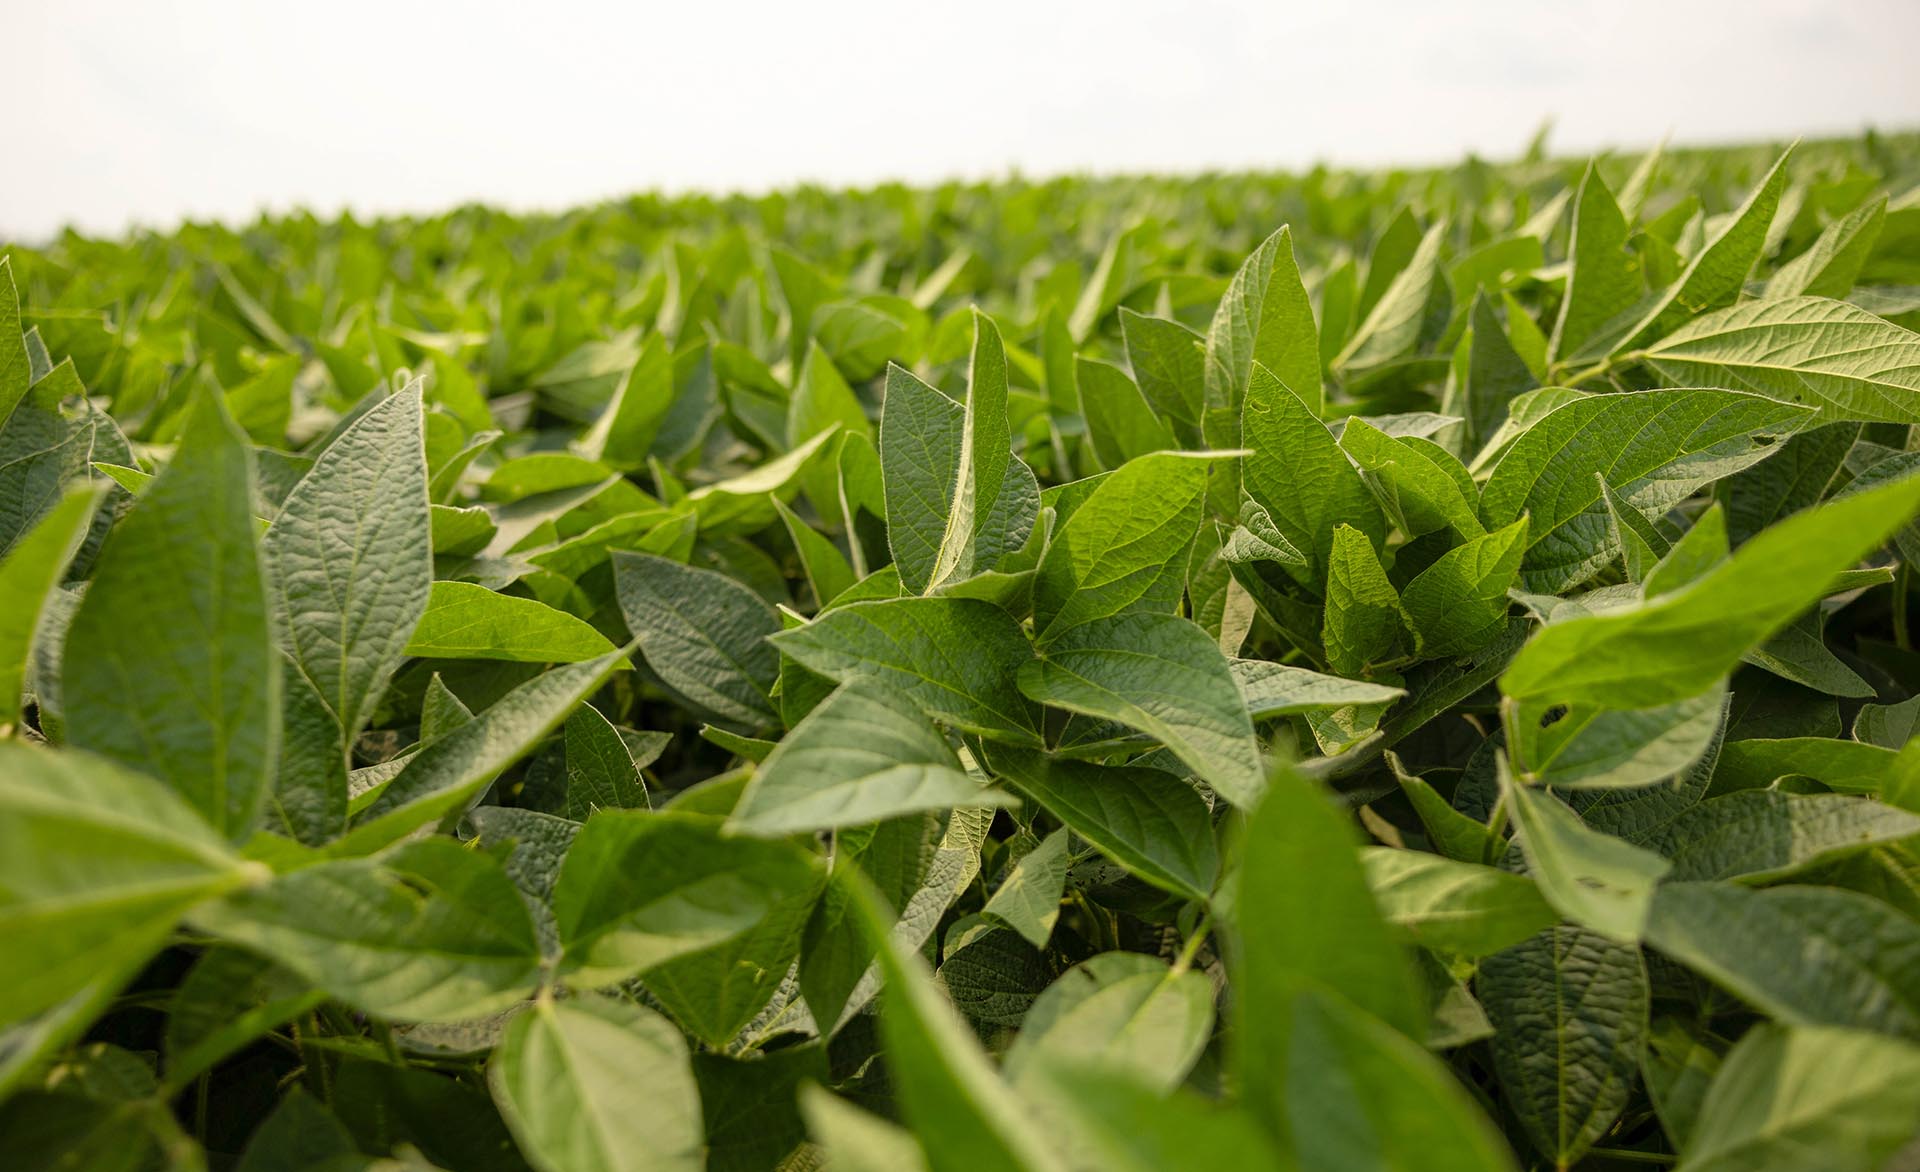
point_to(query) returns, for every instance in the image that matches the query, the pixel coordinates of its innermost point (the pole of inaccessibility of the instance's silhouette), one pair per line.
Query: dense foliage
(1017, 676)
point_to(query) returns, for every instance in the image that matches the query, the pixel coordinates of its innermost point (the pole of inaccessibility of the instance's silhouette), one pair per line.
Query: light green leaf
(1828, 355)
(96, 865)
(1028, 899)
(1593, 879)
(1169, 363)
(1164, 676)
(1122, 1011)
(1120, 423)
(856, 1140)
(15, 373)
(1265, 319)
(955, 657)
(1299, 475)
(351, 561)
(1393, 327)
(704, 634)
(1459, 603)
(1462, 908)
(29, 575)
(1119, 1121)
(642, 888)
(467, 621)
(449, 775)
(1682, 643)
(1586, 747)
(865, 754)
(1603, 277)
(1569, 1009)
(1362, 623)
(965, 1116)
(1831, 263)
(624, 433)
(1293, 938)
(1422, 487)
(1124, 550)
(1654, 448)
(1152, 823)
(169, 665)
(1275, 689)
(428, 931)
(1360, 1095)
(596, 1085)
(1807, 1100)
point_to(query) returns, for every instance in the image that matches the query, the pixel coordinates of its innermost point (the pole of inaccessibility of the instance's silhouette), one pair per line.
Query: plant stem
(1191, 949)
(1632, 1156)
(1902, 583)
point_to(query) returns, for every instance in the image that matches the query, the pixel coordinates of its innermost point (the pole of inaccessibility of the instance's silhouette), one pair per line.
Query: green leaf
(1807, 1100)
(1120, 422)
(1585, 747)
(1603, 278)
(351, 568)
(704, 634)
(1264, 319)
(826, 567)
(1028, 899)
(1360, 1095)
(169, 665)
(430, 930)
(642, 888)
(449, 775)
(1152, 823)
(1299, 475)
(1122, 1011)
(467, 621)
(955, 657)
(29, 575)
(1760, 836)
(1124, 550)
(1845, 766)
(1164, 676)
(1802, 955)
(1363, 620)
(1422, 487)
(596, 1085)
(601, 772)
(1593, 879)
(965, 1116)
(1294, 939)
(1569, 1009)
(1454, 907)
(96, 865)
(1125, 1123)
(15, 373)
(1833, 261)
(1496, 371)
(865, 754)
(1276, 689)
(625, 431)
(856, 1140)
(1169, 363)
(957, 499)
(1394, 326)
(1459, 603)
(1682, 643)
(1833, 357)
(1653, 448)
(1718, 272)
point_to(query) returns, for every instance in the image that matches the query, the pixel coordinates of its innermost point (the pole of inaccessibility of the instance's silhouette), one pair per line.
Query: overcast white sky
(145, 111)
